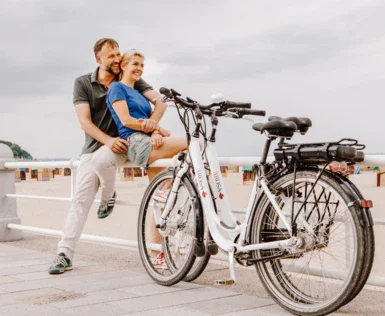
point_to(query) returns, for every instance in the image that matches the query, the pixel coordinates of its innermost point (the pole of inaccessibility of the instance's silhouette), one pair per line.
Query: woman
(129, 108)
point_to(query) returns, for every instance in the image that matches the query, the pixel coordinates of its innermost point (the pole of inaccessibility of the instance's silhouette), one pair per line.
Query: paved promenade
(93, 289)
(109, 280)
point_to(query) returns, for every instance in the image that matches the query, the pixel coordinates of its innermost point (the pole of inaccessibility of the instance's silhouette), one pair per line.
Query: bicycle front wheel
(168, 254)
(321, 276)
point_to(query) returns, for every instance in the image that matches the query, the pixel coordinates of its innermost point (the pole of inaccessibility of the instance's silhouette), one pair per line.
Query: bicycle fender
(200, 247)
(365, 215)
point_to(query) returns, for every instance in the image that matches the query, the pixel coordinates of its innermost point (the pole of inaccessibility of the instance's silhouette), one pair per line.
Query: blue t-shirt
(138, 105)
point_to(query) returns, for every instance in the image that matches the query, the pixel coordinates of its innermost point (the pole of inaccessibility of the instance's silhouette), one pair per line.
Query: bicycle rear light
(366, 203)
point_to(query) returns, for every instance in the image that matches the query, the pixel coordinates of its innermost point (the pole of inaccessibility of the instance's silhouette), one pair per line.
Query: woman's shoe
(161, 196)
(158, 262)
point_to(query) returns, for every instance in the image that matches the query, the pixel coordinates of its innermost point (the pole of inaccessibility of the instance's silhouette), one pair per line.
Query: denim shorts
(139, 149)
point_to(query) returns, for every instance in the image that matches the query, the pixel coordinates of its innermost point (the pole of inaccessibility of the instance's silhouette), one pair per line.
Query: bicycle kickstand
(232, 279)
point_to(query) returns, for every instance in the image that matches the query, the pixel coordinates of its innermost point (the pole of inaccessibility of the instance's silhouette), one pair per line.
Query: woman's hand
(149, 125)
(156, 140)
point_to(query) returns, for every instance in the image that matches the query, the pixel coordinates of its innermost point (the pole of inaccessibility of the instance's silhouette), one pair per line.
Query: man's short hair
(100, 43)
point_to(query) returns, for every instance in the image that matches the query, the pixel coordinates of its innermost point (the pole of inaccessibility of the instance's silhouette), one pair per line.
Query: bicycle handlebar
(242, 105)
(241, 108)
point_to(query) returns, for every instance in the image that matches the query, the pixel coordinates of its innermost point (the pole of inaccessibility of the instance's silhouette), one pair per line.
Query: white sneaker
(158, 262)
(161, 196)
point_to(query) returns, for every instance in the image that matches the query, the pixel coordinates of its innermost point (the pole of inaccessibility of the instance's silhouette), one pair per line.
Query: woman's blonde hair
(126, 57)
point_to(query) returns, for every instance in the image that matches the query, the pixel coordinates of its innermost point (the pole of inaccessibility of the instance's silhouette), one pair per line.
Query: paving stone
(8, 279)
(45, 266)
(94, 310)
(52, 313)
(23, 256)
(264, 311)
(59, 282)
(152, 289)
(230, 304)
(170, 311)
(171, 299)
(25, 309)
(215, 267)
(98, 268)
(18, 297)
(109, 284)
(23, 263)
(6, 252)
(93, 298)
(45, 275)
(15, 270)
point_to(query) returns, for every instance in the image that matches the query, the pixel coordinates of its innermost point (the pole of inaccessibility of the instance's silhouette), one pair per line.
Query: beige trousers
(96, 168)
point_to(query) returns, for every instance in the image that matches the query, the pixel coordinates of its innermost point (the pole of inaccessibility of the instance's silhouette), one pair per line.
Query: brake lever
(231, 114)
(171, 104)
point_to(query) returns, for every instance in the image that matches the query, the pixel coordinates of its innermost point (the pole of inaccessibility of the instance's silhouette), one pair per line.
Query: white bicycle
(307, 229)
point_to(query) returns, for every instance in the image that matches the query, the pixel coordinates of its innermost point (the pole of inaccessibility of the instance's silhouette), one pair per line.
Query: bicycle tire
(175, 275)
(284, 291)
(201, 263)
(369, 245)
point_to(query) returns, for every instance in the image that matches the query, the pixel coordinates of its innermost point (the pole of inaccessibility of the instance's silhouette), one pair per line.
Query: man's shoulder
(84, 78)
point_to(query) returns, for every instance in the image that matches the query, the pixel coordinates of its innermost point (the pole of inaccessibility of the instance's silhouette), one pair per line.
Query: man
(103, 150)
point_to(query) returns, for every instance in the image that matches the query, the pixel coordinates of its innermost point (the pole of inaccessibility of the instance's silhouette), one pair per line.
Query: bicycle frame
(214, 221)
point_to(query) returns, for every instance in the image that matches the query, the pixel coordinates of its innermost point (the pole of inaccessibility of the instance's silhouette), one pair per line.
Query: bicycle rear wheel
(322, 276)
(177, 241)
(369, 247)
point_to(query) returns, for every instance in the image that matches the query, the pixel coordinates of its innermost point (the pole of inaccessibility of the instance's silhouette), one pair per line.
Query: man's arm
(160, 107)
(83, 112)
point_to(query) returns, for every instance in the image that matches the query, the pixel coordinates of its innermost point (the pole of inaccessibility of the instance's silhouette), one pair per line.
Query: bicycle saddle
(277, 128)
(303, 123)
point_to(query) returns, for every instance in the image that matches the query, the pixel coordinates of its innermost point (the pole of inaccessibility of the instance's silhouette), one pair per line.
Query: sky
(320, 59)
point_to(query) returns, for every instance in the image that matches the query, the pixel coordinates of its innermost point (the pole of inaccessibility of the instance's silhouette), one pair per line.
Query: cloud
(318, 59)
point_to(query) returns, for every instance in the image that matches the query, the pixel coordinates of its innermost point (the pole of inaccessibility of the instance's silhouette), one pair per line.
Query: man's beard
(110, 70)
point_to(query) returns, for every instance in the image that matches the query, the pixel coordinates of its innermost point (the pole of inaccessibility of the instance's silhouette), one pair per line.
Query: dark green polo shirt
(88, 89)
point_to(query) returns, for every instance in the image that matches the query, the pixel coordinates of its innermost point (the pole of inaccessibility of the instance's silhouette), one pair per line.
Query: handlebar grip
(253, 112)
(165, 92)
(242, 105)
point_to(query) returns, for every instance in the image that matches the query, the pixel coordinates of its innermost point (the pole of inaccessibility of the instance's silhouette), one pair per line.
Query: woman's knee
(176, 143)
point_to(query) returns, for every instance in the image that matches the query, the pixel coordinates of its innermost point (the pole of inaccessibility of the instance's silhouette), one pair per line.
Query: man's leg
(105, 162)
(87, 184)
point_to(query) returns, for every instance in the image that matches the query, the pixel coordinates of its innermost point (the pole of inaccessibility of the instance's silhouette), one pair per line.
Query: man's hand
(156, 140)
(149, 125)
(117, 145)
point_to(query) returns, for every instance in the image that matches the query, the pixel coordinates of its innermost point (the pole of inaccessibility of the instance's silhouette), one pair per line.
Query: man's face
(109, 59)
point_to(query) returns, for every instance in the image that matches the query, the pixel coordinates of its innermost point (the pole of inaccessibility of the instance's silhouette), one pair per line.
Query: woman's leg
(171, 146)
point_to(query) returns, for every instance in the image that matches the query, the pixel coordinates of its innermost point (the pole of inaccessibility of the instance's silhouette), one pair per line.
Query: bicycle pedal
(199, 249)
(224, 282)
(212, 248)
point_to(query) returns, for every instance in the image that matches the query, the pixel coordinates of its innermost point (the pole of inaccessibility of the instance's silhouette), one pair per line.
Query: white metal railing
(74, 163)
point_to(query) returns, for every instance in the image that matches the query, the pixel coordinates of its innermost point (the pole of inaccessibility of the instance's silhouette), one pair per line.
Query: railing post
(8, 210)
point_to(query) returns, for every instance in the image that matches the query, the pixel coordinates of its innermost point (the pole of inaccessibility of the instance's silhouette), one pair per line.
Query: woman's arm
(164, 132)
(121, 109)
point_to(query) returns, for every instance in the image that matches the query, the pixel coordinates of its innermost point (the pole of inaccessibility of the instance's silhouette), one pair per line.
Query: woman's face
(134, 68)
